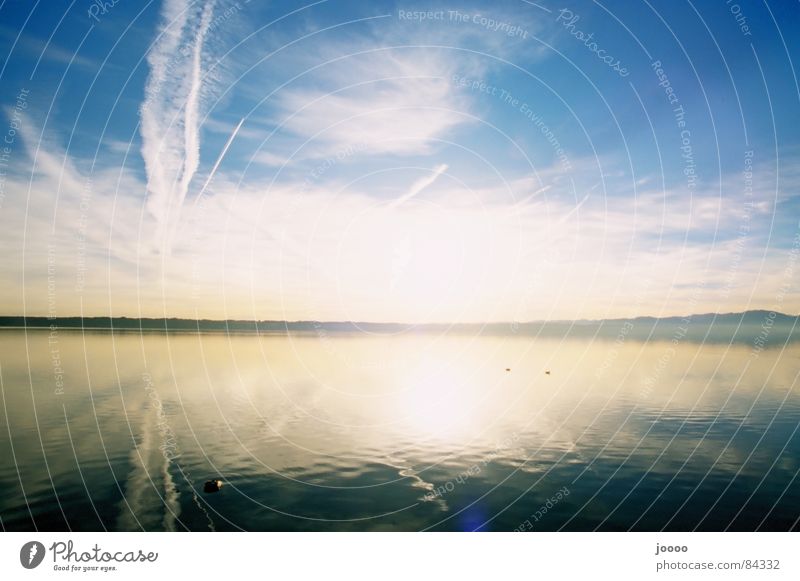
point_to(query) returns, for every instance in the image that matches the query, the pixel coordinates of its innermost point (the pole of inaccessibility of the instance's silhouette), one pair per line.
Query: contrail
(286, 241)
(526, 199)
(418, 186)
(546, 232)
(171, 110)
(219, 159)
(574, 210)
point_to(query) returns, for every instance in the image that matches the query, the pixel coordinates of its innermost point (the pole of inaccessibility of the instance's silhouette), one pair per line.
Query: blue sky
(399, 161)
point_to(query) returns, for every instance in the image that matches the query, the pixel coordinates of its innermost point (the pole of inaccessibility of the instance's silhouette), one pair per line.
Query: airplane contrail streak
(219, 159)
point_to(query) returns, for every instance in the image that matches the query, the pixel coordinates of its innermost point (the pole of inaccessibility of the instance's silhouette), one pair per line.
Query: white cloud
(48, 51)
(171, 110)
(317, 252)
(398, 104)
(528, 249)
(270, 159)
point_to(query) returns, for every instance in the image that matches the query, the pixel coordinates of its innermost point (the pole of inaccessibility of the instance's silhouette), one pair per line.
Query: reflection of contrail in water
(171, 496)
(407, 471)
(139, 481)
(157, 446)
(168, 448)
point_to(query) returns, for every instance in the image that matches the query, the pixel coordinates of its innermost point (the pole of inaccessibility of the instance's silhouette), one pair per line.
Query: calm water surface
(395, 433)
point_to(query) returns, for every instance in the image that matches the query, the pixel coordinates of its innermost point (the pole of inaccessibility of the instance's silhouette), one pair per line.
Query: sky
(398, 161)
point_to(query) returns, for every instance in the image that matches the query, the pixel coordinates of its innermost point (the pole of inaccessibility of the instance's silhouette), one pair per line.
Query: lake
(333, 432)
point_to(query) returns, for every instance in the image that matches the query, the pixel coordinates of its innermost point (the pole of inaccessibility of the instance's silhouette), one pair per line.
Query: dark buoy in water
(547, 372)
(212, 485)
(508, 369)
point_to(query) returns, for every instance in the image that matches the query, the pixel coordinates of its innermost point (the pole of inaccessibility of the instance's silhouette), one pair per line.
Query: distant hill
(747, 317)
(708, 327)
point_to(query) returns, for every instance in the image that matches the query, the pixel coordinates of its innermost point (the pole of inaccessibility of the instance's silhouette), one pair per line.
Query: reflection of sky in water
(404, 433)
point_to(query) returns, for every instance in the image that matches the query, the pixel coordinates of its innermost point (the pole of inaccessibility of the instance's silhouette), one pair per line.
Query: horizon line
(396, 323)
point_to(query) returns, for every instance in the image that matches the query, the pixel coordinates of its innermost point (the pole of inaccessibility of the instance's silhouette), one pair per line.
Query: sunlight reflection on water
(395, 433)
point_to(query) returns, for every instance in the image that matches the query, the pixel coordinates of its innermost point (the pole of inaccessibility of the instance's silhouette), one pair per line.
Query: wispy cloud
(388, 91)
(171, 110)
(48, 51)
(399, 105)
(369, 119)
(291, 252)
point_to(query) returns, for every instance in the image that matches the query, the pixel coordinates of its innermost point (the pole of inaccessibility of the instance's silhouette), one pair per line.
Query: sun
(423, 262)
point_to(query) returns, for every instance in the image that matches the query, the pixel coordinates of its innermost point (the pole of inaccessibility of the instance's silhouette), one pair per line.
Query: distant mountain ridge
(754, 316)
(647, 325)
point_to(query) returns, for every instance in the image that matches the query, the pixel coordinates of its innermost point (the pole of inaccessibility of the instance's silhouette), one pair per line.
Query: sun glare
(424, 263)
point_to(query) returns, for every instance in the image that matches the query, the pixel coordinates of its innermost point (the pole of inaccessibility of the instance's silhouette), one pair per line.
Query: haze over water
(398, 432)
